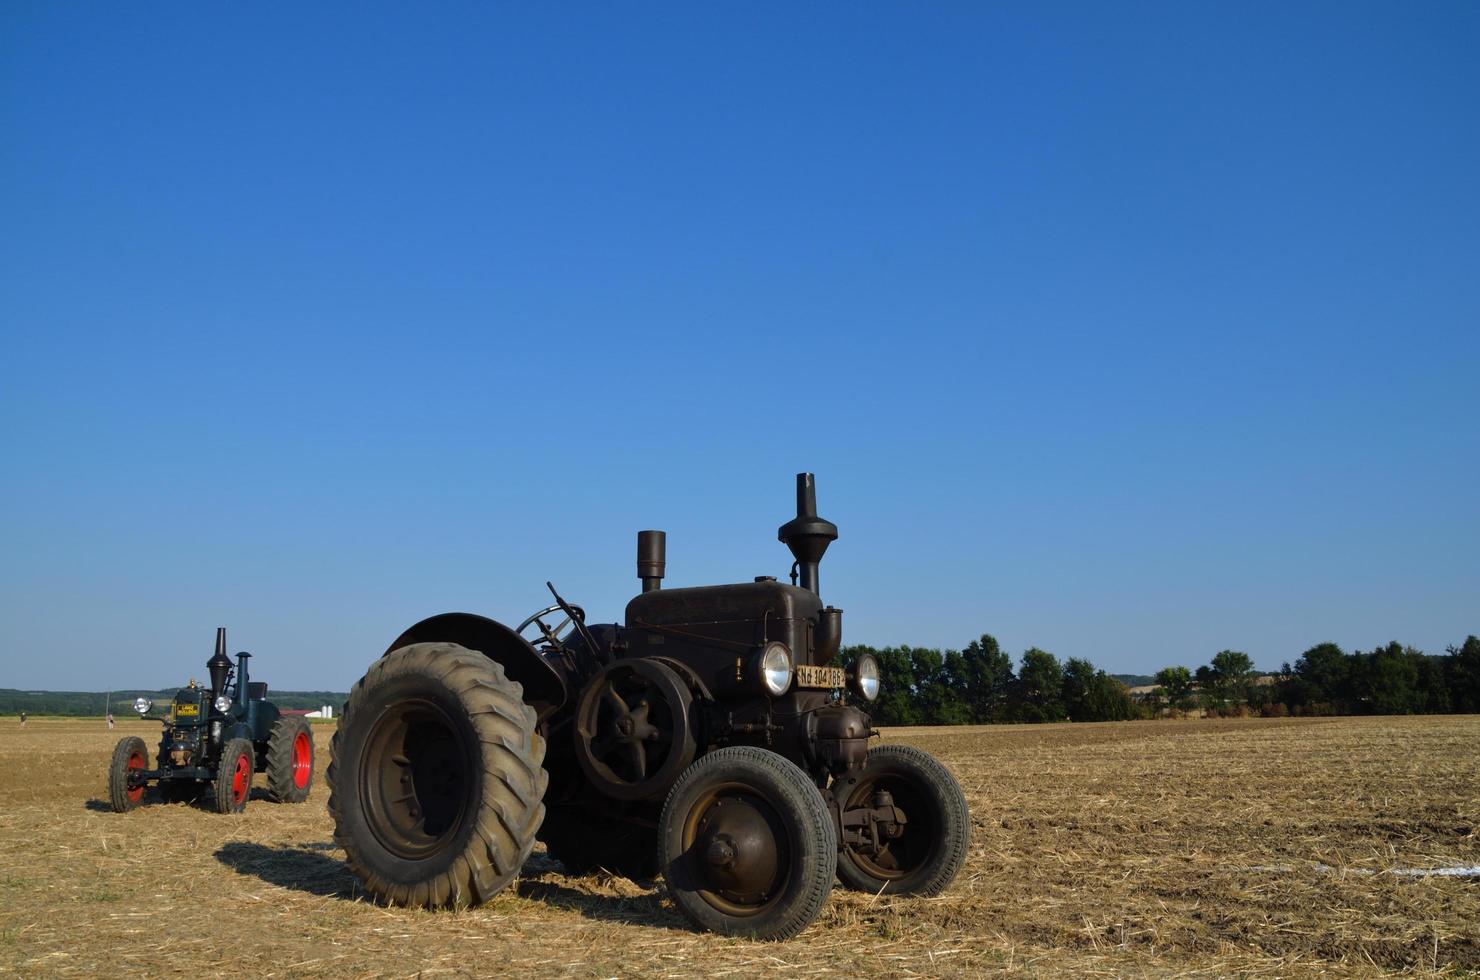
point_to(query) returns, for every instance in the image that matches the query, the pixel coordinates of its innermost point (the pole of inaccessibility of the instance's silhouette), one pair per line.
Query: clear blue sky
(1134, 332)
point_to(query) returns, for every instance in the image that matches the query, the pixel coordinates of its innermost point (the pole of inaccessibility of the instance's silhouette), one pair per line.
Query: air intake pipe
(652, 559)
(807, 535)
(241, 677)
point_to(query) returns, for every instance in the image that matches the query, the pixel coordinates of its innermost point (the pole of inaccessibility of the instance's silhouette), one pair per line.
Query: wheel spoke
(614, 699)
(639, 759)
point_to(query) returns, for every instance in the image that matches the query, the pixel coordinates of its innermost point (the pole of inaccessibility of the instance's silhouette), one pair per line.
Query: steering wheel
(562, 629)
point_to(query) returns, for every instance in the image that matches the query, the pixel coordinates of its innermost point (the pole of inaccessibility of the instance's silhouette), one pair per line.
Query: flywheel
(634, 732)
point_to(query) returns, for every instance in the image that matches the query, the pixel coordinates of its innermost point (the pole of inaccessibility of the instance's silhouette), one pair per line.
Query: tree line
(1326, 680)
(980, 684)
(95, 703)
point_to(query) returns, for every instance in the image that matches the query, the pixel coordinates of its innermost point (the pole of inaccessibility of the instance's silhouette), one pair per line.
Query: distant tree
(1322, 679)
(1431, 689)
(1231, 673)
(1038, 692)
(952, 705)
(1077, 688)
(987, 679)
(1463, 670)
(1176, 687)
(1208, 692)
(939, 695)
(1389, 680)
(1106, 699)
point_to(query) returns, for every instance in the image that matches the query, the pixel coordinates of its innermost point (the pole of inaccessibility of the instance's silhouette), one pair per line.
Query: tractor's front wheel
(435, 778)
(234, 776)
(130, 754)
(290, 760)
(921, 854)
(747, 845)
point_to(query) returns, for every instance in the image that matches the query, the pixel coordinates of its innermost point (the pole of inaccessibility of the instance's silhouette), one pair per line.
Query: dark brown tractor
(710, 738)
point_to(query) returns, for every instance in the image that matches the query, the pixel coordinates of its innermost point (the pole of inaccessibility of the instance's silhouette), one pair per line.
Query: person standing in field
(23, 719)
(110, 721)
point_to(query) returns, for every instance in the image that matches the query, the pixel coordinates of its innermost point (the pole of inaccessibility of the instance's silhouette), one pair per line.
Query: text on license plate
(187, 709)
(828, 677)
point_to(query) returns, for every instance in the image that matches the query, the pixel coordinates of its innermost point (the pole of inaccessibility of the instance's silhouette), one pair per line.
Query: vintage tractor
(709, 738)
(216, 738)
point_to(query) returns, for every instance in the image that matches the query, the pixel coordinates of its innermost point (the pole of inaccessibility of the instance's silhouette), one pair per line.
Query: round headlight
(142, 705)
(775, 668)
(866, 677)
(223, 704)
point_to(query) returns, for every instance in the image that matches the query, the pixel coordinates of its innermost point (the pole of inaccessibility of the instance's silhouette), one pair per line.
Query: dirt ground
(1213, 847)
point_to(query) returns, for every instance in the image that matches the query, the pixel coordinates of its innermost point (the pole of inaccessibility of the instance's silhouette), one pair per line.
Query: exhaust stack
(807, 535)
(219, 665)
(652, 559)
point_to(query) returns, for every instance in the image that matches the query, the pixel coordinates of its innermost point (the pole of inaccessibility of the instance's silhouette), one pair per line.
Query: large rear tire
(129, 754)
(234, 776)
(435, 778)
(931, 846)
(290, 760)
(747, 845)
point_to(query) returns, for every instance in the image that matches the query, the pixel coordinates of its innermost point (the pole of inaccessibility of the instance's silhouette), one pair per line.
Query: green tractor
(214, 740)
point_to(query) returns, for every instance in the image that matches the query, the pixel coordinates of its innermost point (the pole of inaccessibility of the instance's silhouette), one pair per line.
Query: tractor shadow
(304, 868)
(202, 802)
(545, 881)
(310, 868)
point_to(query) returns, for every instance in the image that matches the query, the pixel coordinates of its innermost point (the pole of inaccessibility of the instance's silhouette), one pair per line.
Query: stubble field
(1216, 847)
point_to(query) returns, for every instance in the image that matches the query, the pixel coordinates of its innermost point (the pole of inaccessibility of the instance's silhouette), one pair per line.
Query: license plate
(828, 677)
(187, 709)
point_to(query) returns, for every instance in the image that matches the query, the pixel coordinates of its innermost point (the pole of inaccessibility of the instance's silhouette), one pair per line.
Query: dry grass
(1254, 847)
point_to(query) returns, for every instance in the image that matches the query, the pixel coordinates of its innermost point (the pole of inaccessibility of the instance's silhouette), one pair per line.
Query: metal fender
(544, 690)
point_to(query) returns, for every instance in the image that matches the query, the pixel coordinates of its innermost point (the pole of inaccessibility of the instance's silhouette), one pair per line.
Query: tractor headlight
(223, 704)
(142, 705)
(864, 680)
(775, 668)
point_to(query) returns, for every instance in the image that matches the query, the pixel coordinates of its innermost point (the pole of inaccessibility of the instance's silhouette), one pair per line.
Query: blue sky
(1134, 332)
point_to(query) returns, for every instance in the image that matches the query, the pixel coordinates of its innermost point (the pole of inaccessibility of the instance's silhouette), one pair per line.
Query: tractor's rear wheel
(929, 847)
(746, 844)
(435, 778)
(234, 776)
(290, 760)
(128, 755)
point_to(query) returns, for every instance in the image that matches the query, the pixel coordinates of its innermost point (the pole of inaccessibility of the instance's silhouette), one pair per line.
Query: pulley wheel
(633, 732)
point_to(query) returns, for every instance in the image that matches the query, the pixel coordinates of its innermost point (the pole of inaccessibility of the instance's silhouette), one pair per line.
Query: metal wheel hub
(741, 849)
(414, 779)
(888, 827)
(302, 760)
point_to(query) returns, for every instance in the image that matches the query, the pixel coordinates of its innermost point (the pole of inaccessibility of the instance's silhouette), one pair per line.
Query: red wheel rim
(241, 780)
(302, 760)
(136, 761)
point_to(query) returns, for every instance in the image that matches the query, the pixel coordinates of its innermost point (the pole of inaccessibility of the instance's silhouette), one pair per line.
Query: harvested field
(1257, 847)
